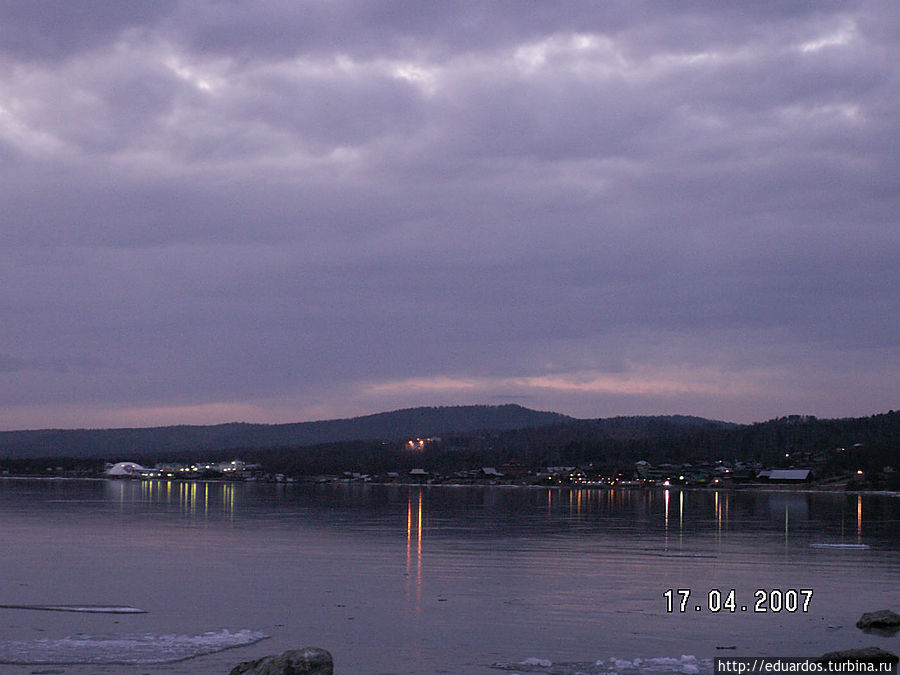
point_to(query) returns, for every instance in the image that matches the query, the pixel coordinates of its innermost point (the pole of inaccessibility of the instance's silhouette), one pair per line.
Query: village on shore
(698, 474)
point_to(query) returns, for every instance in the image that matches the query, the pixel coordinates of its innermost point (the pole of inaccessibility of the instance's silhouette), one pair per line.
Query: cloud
(634, 381)
(275, 208)
(52, 31)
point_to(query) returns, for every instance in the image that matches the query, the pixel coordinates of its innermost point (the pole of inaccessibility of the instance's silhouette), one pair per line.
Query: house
(785, 475)
(419, 476)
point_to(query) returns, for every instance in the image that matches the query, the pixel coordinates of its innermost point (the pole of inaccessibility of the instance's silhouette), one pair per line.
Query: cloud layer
(296, 210)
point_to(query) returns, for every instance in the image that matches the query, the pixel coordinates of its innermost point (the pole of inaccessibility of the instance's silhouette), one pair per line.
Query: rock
(884, 618)
(865, 655)
(305, 661)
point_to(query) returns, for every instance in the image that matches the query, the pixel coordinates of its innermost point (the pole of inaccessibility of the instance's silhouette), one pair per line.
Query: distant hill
(388, 426)
(653, 424)
(480, 436)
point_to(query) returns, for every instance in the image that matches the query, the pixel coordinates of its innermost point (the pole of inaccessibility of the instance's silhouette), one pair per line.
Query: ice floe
(146, 648)
(91, 609)
(686, 664)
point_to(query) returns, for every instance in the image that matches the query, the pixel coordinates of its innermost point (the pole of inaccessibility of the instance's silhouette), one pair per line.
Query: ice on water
(686, 664)
(87, 609)
(146, 648)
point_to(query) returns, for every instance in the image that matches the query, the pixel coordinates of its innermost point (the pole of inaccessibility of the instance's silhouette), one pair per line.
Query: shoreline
(743, 487)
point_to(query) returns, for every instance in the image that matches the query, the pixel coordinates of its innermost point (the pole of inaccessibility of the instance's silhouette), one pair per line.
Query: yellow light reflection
(408, 534)
(718, 516)
(666, 503)
(414, 530)
(228, 499)
(419, 542)
(666, 517)
(859, 519)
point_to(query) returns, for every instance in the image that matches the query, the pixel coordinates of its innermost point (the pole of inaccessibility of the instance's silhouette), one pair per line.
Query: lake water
(406, 579)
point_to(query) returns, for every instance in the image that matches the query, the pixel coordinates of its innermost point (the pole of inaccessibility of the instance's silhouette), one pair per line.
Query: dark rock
(864, 655)
(305, 661)
(884, 619)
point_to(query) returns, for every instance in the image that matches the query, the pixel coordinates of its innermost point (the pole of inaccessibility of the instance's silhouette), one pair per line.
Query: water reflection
(228, 499)
(633, 516)
(194, 500)
(718, 516)
(414, 543)
(527, 571)
(859, 519)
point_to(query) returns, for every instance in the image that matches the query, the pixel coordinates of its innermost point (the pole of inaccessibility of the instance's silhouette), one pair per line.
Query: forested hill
(482, 436)
(388, 426)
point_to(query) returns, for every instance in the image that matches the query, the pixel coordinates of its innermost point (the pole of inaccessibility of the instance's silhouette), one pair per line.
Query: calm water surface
(401, 579)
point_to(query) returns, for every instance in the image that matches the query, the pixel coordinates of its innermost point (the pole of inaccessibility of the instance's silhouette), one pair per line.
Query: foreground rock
(865, 655)
(884, 619)
(305, 661)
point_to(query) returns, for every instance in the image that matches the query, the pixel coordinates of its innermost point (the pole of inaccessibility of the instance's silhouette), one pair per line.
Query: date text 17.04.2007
(774, 600)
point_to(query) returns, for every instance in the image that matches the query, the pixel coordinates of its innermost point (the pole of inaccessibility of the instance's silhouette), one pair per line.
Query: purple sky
(284, 211)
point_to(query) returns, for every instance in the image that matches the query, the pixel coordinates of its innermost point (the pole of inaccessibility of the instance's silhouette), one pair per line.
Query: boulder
(864, 655)
(305, 661)
(884, 619)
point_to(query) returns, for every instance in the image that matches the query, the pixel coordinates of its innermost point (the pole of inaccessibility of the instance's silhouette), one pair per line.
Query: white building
(125, 470)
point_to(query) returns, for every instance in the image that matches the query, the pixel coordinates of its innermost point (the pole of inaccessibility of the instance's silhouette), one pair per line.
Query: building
(785, 475)
(125, 470)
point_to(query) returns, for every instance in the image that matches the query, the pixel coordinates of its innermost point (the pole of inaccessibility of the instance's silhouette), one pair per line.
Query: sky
(289, 210)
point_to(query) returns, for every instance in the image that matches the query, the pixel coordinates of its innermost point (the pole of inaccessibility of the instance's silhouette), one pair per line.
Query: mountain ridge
(389, 426)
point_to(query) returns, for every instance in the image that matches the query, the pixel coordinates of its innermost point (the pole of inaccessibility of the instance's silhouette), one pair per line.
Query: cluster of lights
(169, 471)
(580, 479)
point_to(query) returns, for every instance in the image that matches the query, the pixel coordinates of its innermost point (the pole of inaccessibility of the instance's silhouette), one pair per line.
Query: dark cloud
(56, 29)
(289, 210)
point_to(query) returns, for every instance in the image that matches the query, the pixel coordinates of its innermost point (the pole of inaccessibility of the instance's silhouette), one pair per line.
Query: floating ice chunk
(95, 609)
(533, 661)
(123, 649)
(686, 664)
(530, 665)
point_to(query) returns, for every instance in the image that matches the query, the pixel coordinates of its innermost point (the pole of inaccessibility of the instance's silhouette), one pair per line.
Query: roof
(789, 474)
(124, 469)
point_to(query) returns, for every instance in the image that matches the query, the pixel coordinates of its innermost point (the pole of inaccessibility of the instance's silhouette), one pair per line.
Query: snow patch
(687, 664)
(92, 609)
(543, 663)
(137, 649)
